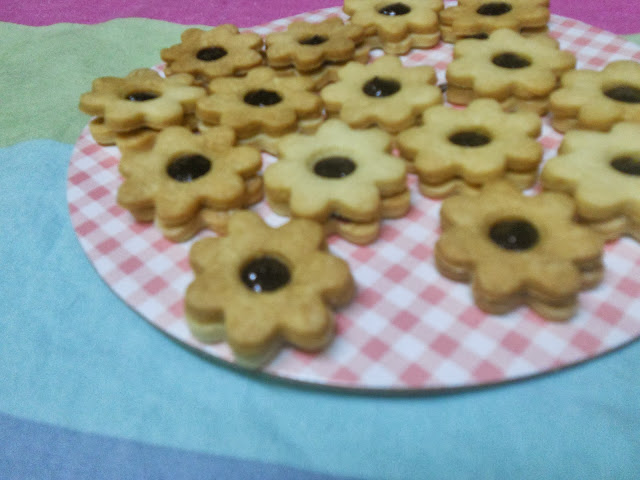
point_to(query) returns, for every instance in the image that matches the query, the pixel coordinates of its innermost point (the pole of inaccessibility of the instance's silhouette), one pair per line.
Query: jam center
(478, 36)
(141, 96)
(381, 87)
(494, 9)
(187, 168)
(469, 138)
(265, 274)
(262, 98)
(510, 60)
(334, 167)
(211, 53)
(514, 235)
(624, 93)
(313, 40)
(628, 165)
(394, 9)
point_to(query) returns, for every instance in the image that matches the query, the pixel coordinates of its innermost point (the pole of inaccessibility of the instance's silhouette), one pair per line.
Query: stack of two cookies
(186, 182)
(342, 178)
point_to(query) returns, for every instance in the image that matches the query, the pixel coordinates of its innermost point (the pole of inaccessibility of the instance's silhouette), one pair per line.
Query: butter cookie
(601, 170)
(517, 249)
(259, 287)
(383, 93)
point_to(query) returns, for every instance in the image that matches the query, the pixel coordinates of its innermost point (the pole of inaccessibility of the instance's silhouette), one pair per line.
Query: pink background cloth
(618, 16)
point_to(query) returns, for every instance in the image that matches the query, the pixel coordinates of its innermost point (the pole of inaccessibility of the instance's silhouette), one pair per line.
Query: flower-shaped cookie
(141, 99)
(337, 172)
(602, 172)
(505, 66)
(218, 52)
(397, 26)
(476, 18)
(185, 173)
(383, 93)
(260, 102)
(454, 148)
(518, 249)
(260, 285)
(596, 100)
(307, 46)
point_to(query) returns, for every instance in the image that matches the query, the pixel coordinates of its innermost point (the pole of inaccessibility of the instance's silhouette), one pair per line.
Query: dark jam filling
(514, 235)
(624, 93)
(381, 87)
(334, 167)
(141, 96)
(211, 53)
(313, 40)
(627, 165)
(265, 274)
(510, 60)
(478, 36)
(394, 9)
(470, 138)
(494, 9)
(262, 98)
(188, 167)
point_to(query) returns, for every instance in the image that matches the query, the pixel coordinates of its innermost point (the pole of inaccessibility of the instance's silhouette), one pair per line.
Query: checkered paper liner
(408, 328)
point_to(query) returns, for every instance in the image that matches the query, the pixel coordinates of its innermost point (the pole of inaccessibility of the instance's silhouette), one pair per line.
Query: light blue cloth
(86, 384)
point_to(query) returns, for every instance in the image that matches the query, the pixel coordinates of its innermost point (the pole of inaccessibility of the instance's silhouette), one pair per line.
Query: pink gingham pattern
(408, 327)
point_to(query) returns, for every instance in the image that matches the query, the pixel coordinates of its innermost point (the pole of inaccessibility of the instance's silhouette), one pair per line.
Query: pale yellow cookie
(519, 72)
(338, 172)
(456, 149)
(601, 170)
(596, 100)
(383, 93)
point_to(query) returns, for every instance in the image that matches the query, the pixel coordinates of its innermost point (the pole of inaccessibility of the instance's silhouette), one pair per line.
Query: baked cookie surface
(519, 72)
(517, 249)
(601, 170)
(596, 100)
(261, 286)
(383, 93)
(459, 150)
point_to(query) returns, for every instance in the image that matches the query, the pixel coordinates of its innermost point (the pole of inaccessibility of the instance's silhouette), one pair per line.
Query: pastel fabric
(90, 390)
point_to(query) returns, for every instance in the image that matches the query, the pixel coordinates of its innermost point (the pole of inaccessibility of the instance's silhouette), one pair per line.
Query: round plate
(408, 328)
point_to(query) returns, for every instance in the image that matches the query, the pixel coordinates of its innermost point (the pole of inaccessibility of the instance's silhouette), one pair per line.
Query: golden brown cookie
(343, 178)
(188, 181)
(519, 72)
(383, 93)
(316, 50)
(601, 170)
(261, 107)
(307, 46)
(219, 52)
(459, 150)
(141, 99)
(260, 286)
(478, 18)
(517, 249)
(596, 100)
(397, 27)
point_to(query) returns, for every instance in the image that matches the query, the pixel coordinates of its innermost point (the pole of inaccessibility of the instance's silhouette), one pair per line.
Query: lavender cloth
(618, 16)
